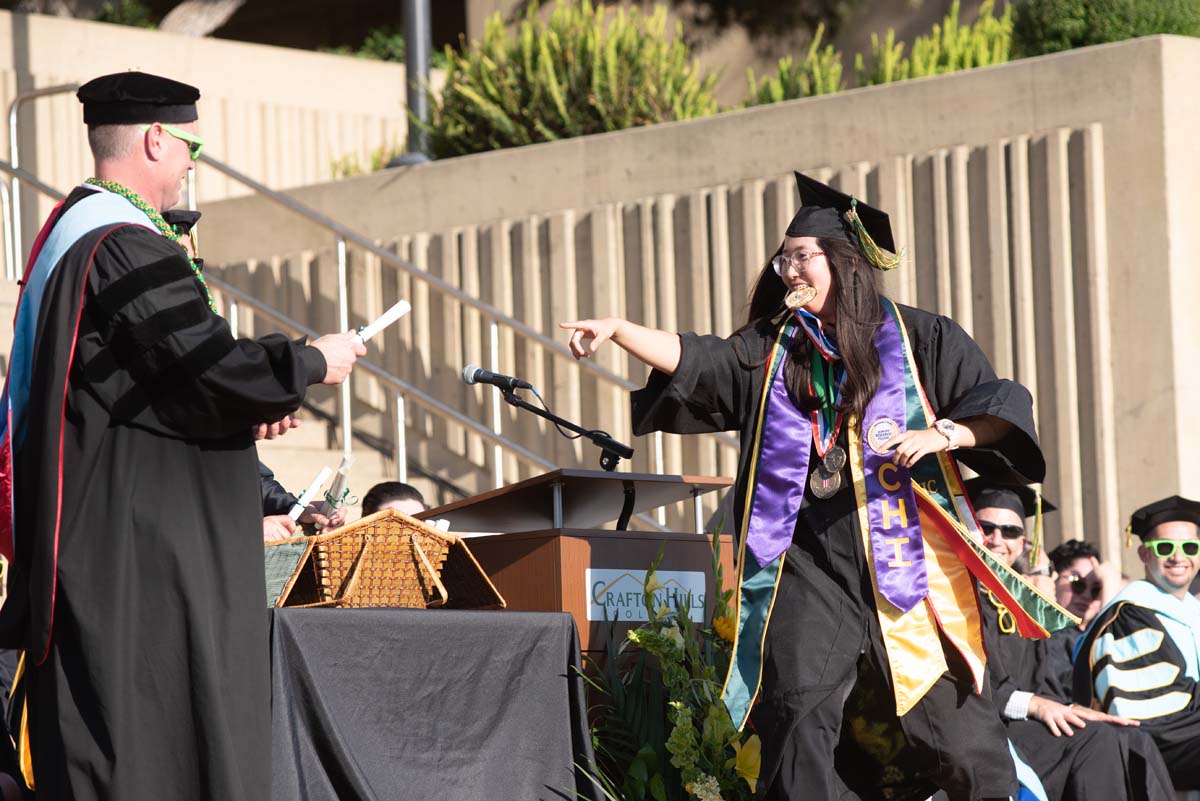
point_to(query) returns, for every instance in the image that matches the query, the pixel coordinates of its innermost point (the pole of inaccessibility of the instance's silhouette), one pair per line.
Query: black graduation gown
(141, 607)
(275, 499)
(824, 617)
(1060, 648)
(1101, 760)
(1176, 733)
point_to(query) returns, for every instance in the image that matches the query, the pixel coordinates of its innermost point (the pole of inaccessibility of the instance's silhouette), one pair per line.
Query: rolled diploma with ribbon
(384, 320)
(312, 490)
(336, 495)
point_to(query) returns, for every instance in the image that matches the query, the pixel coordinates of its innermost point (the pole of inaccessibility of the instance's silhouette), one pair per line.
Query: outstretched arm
(658, 349)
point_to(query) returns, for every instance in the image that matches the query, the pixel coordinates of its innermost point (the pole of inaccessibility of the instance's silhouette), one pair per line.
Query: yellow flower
(725, 626)
(748, 760)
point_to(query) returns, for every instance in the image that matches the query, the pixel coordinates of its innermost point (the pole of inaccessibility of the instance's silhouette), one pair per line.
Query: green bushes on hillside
(577, 73)
(1048, 26)
(820, 73)
(949, 47)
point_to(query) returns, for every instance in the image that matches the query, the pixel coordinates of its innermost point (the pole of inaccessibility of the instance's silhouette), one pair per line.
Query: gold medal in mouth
(800, 296)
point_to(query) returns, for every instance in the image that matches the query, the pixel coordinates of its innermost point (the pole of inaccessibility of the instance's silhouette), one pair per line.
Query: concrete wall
(281, 116)
(1049, 205)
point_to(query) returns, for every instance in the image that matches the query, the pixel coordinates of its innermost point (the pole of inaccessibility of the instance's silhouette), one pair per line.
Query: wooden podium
(546, 552)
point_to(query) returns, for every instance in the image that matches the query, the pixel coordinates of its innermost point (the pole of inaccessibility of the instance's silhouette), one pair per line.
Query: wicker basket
(388, 559)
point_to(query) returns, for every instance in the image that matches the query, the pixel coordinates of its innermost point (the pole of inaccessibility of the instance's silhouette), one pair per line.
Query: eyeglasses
(798, 260)
(1007, 532)
(1165, 549)
(195, 143)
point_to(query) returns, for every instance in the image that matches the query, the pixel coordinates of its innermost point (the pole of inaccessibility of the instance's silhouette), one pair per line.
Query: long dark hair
(859, 314)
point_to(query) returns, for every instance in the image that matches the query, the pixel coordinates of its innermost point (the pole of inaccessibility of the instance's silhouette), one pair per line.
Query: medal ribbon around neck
(826, 378)
(164, 227)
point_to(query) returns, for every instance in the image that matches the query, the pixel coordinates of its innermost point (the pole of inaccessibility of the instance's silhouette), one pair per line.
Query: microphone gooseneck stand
(611, 451)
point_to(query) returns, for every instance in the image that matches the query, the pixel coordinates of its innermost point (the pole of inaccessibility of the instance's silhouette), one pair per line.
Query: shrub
(949, 47)
(1048, 26)
(575, 74)
(133, 13)
(820, 73)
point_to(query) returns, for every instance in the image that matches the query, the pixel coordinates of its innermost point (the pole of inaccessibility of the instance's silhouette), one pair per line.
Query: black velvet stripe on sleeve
(129, 342)
(180, 375)
(105, 305)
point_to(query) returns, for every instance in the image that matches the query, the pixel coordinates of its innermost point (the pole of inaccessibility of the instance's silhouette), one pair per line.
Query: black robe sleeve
(961, 384)
(275, 499)
(1056, 678)
(154, 354)
(714, 388)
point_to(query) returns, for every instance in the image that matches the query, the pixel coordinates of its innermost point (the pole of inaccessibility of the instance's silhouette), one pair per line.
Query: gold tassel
(875, 255)
(1129, 536)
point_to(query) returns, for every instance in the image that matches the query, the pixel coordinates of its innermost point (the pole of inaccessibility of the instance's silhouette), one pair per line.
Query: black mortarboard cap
(1016, 498)
(1168, 510)
(825, 211)
(127, 98)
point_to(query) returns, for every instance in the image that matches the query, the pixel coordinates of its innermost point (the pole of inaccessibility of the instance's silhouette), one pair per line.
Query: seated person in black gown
(1083, 585)
(1078, 753)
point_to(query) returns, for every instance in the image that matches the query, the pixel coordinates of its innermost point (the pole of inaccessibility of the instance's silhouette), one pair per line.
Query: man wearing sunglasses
(127, 455)
(1078, 753)
(1141, 656)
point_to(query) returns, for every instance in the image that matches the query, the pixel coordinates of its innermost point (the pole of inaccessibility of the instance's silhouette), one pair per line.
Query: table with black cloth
(395, 704)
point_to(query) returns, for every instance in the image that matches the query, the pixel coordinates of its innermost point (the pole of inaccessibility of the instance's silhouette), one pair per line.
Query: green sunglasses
(195, 143)
(1165, 549)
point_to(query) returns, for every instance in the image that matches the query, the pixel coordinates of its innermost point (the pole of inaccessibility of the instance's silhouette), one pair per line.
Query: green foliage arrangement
(1049, 26)
(134, 13)
(820, 73)
(577, 73)
(664, 733)
(949, 47)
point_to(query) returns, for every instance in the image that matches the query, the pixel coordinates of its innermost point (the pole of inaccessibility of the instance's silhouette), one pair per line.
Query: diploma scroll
(312, 490)
(390, 316)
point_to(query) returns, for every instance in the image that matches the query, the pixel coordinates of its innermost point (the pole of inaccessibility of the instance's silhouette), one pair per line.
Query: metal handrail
(14, 154)
(391, 259)
(394, 381)
(397, 383)
(436, 283)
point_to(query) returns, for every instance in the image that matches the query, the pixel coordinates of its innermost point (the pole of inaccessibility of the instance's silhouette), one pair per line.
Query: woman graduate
(855, 540)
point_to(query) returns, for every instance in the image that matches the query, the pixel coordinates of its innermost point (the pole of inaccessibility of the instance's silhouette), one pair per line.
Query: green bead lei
(164, 227)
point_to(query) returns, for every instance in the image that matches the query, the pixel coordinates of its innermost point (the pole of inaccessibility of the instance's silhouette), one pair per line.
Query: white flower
(707, 789)
(675, 636)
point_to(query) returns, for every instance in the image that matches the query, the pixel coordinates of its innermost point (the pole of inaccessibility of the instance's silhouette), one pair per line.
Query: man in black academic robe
(1078, 753)
(824, 659)
(137, 584)
(1140, 658)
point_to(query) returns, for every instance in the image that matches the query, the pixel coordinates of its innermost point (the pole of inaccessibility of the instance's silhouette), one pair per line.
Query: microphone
(474, 374)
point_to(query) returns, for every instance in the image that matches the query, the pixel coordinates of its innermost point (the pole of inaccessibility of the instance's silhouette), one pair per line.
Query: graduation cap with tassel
(1025, 501)
(826, 212)
(1168, 510)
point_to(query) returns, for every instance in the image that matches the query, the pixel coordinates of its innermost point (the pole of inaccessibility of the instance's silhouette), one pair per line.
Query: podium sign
(580, 568)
